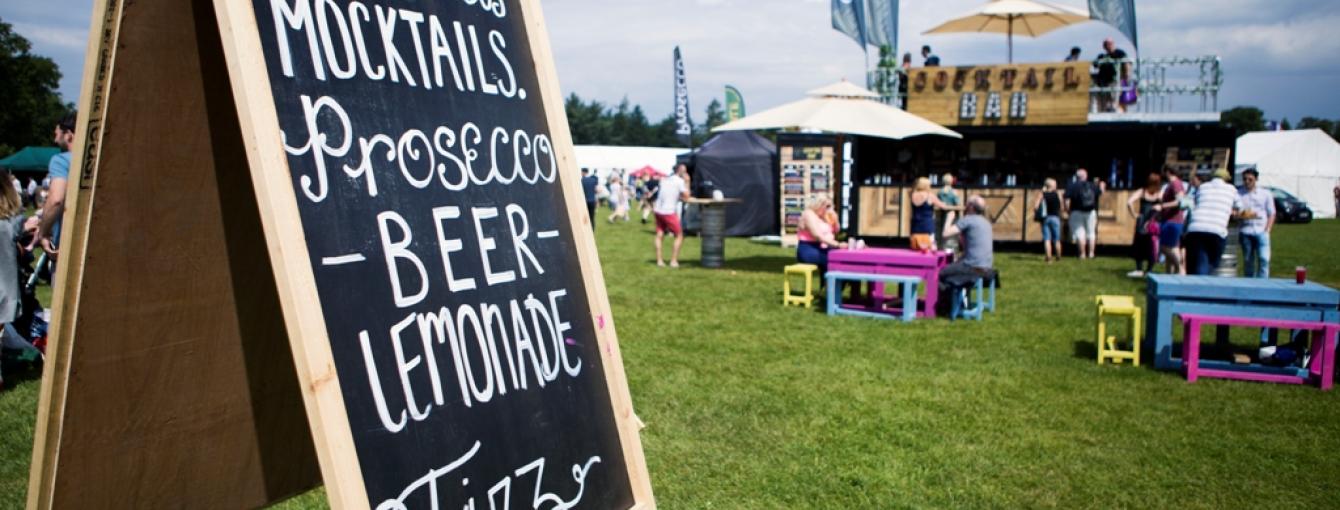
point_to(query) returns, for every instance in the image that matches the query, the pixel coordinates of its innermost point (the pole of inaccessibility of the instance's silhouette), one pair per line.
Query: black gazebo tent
(743, 165)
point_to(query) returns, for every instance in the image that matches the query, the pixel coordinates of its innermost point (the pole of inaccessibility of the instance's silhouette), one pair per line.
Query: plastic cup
(1300, 274)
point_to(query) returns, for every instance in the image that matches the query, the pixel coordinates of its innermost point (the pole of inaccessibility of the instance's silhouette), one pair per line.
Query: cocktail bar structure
(1020, 124)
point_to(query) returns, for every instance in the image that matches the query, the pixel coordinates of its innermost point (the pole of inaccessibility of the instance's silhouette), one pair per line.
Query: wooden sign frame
(226, 109)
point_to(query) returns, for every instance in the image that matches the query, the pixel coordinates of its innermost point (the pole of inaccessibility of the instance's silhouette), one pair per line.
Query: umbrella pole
(1009, 38)
(866, 49)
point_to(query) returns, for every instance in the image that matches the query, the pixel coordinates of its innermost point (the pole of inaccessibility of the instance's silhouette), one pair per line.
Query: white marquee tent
(1304, 162)
(604, 158)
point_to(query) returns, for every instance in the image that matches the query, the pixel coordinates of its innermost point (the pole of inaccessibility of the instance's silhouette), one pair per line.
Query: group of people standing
(25, 233)
(660, 198)
(1187, 225)
(1184, 224)
(1078, 206)
(620, 192)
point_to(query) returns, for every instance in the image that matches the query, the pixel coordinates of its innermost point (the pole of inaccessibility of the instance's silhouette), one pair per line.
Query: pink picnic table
(894, 261)
(1321, 367)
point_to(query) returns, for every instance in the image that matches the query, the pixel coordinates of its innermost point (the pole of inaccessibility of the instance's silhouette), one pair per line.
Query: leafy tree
(1244, 119)
(587, 121)
(1284, 124)
(716, 115)
(1327, 126)
(29, 104)
(593, 123)
(886, 73)
(663, 133)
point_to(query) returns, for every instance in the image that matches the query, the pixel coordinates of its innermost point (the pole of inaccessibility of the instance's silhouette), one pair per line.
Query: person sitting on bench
(974, 231)
(816, 234)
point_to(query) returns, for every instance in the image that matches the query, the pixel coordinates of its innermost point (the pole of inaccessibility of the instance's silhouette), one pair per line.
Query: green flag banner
(734, 104)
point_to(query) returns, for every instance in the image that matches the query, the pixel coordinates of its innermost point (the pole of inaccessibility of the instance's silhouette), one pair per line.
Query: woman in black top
(1146, 247)
(1048, 205)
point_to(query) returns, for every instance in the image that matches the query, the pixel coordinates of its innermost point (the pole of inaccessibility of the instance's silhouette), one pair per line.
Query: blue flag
(1118, 13)
(849, 18)
(881, 23)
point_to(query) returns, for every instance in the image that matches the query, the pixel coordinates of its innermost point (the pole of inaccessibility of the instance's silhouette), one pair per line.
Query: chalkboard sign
(441, 261)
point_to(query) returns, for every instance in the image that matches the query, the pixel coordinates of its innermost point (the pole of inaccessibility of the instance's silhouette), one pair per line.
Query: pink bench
(1320, 368)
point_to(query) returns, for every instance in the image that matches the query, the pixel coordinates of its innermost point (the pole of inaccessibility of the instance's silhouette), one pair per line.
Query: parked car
(1289, 208)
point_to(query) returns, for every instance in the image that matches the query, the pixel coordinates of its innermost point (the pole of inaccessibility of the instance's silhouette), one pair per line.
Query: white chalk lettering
(493, 321)
(468, 316)
(344, 50)
(520, 228)
(386, 23)
(487, 244)
(540, 499)
(414, 19)
(375, 382)
(561, 327)
(323, 27)
(441, 50)
(399, 250)
(296, 17)
(404, 366)
(316, 142)
(448, 246)
(484, 84)
(498, 44)
(358, 13)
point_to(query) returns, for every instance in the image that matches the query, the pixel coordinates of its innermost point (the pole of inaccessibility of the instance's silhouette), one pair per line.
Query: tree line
(1245, 119)
(594, 123)
(30, 107)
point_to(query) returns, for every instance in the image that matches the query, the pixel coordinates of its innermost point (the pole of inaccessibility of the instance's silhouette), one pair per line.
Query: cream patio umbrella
(841, 108)
(1029, 18)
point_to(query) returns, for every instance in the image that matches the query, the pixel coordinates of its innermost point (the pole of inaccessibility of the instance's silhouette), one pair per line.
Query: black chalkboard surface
(431, 200)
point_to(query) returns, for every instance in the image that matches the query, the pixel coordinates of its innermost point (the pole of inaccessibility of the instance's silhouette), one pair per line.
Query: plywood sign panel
(1001, 95)
(170, 384)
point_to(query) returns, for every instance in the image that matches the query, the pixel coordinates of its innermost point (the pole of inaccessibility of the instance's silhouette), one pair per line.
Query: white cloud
(1278, 54)
(54, 37)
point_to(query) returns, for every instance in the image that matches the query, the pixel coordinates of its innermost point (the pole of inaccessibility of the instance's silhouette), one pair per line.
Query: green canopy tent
(29, 159)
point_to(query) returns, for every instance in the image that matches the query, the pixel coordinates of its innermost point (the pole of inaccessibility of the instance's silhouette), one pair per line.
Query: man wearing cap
(1216, 202)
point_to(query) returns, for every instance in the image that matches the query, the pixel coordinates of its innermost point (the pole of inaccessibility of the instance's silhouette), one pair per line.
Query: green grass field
(752, 405)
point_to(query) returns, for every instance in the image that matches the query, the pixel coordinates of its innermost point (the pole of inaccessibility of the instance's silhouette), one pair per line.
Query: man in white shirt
(1254, 235)
(673, 190)
(1216, 202)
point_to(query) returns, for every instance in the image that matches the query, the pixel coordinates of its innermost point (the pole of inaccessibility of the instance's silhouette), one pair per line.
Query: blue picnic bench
(1258, 298)
(908, 284)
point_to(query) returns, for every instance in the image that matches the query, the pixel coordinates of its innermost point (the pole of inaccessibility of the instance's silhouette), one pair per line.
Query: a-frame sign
(344, 234)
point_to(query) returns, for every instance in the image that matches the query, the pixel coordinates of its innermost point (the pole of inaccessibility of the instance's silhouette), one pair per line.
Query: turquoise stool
(985, 302)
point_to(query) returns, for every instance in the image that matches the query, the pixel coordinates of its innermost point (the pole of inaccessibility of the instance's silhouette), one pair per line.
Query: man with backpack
(1081, 205)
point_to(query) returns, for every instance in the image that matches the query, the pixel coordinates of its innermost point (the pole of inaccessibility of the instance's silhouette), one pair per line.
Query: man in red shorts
(673, 190)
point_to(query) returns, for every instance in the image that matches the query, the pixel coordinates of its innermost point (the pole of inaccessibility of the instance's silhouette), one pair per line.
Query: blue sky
(1280, 55)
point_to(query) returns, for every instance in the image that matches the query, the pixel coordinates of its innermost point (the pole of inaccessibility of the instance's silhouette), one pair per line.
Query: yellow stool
(806, 299)
(1107, 345)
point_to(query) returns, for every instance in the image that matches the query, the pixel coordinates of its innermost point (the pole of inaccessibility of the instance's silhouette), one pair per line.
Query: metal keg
(1228, 263)
(712, 231)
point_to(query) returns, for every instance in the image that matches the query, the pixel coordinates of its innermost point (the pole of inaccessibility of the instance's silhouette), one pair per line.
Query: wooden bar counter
(885, 211)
